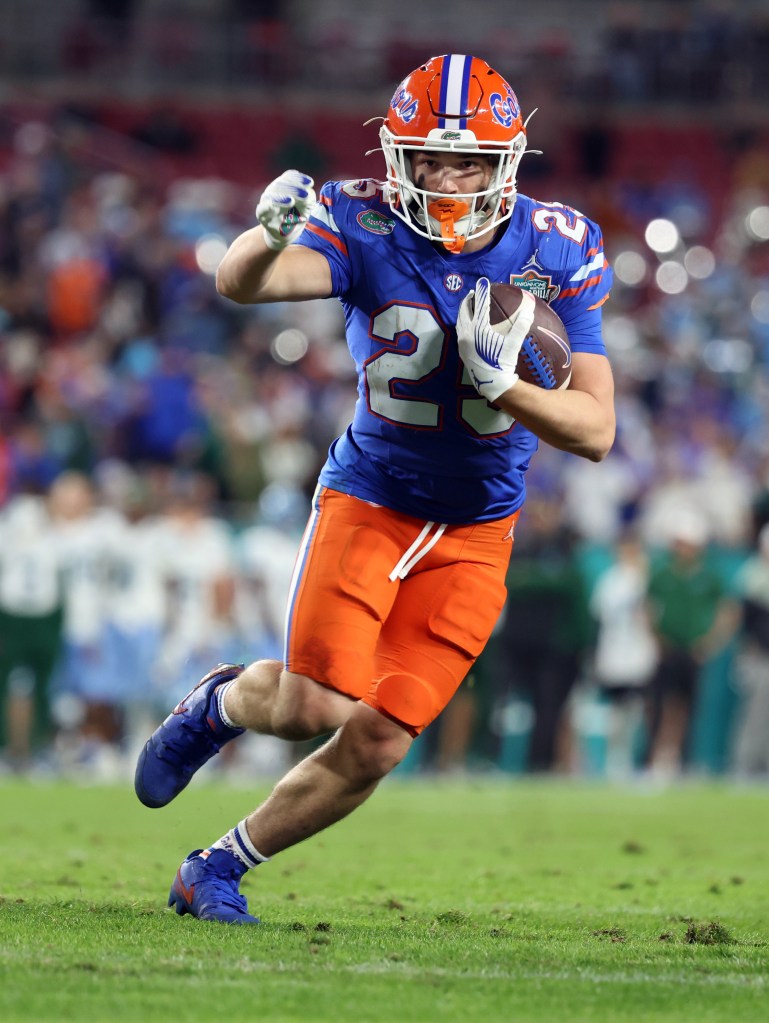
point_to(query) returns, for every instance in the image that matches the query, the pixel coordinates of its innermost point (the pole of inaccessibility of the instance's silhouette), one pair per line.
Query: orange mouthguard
(447, 211)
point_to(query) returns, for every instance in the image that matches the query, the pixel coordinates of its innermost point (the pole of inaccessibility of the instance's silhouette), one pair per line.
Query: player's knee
(372, 745)
(306, 709)
(385, 754)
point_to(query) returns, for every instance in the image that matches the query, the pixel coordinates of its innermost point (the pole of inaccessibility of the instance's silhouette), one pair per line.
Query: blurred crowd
(115, 592)
(158, 447)
(689, 52)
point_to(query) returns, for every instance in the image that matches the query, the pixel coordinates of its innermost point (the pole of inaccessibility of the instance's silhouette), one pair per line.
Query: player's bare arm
(252, 273)
(262, 265)
(579, 419)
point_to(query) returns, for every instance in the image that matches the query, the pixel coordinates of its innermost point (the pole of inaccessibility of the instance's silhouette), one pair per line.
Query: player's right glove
(284, 208)
(490, 357)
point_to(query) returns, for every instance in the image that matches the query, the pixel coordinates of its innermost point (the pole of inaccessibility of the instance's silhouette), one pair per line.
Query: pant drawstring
(410, 558)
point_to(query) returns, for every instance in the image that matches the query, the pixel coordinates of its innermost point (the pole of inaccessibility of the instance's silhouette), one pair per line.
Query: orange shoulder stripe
(591, 283)
(599, 304)
(329, 237)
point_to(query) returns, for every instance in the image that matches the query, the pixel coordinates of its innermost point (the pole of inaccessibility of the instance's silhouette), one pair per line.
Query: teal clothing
(684, 601)
(29, 647)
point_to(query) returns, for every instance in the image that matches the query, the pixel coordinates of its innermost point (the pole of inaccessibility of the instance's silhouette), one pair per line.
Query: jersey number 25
(417, 363)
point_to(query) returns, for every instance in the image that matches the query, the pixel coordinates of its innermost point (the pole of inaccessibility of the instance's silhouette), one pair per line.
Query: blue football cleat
(207, 888)
(191, 734)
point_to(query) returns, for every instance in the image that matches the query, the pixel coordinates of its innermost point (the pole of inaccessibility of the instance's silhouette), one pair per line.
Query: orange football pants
(391, 610)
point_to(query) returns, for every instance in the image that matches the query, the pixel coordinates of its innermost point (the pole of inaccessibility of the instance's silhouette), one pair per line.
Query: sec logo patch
(453, 282)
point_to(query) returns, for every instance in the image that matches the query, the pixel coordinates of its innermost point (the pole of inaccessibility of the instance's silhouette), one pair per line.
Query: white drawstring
(410, 559)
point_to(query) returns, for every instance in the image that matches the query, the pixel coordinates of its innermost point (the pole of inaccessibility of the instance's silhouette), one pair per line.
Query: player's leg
(263, 697)
(437, 626)
(194, 731)
(342, 594)
(267, 699)
(316, 793)
(433, 631)
(331, 782)
(224, 704)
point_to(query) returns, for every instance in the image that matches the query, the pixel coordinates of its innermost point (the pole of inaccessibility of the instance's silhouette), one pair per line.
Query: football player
(400, 574)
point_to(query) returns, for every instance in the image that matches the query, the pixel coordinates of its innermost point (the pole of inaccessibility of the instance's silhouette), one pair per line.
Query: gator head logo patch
(375, 222)
(540, 285)
(289, 222)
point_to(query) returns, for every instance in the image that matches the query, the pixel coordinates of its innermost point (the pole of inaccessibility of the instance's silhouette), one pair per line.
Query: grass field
(538, 902)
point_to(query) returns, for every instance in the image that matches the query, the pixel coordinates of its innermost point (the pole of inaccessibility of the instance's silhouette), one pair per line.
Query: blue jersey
(422, 440)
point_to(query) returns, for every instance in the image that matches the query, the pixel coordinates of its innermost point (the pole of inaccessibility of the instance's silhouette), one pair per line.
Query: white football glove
(491, 358)
(284, 208)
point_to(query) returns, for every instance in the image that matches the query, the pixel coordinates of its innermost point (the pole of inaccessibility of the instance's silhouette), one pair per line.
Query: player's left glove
(284, 207)
(491, 358)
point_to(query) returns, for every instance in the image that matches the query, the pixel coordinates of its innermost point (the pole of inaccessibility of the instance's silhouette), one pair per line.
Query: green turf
(537, 902)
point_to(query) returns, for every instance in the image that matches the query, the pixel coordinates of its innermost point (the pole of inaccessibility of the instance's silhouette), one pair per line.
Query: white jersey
(626, 652)
(196, 558)
(266, 564)
(138, 597)
(88, 548)
(30, 582)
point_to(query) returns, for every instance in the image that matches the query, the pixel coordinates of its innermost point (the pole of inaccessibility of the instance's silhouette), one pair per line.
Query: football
(545, 358)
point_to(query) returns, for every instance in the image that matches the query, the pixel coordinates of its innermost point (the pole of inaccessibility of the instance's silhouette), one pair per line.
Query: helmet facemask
(451, 219)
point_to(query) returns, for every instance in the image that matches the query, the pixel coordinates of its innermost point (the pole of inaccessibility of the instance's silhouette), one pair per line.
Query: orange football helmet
(454, 103)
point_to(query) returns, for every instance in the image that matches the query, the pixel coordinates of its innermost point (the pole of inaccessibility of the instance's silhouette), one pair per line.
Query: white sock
(221, 690)
(240, 845)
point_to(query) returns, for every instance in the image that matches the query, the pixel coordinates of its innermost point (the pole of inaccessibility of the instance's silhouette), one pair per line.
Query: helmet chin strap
(447, 212)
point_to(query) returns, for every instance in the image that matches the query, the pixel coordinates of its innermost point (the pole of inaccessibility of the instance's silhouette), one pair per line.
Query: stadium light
(759, 306)
(699, 262)
(728, 355)
(630, 268)
(209, 252)
(662, 235)
(757, 223)
(671, 278)
(289, 346)
(621, 333)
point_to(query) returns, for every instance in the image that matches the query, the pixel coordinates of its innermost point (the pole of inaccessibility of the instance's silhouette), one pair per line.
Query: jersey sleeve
(584, 331)
(325, 234)
(585, 279)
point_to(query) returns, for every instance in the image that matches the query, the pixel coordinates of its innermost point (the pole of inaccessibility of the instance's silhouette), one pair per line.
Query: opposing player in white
(30, 625)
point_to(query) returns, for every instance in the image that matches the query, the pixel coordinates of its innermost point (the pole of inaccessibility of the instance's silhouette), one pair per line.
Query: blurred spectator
(693, 617)
(751, 737)
(136, 612)
(625, 650)
(298, 149)
(167, 424)
(30, 627)
(31, 465)
(674, 492)
(198, 572)
(546, 629)
(267, 552)
(88, 703)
